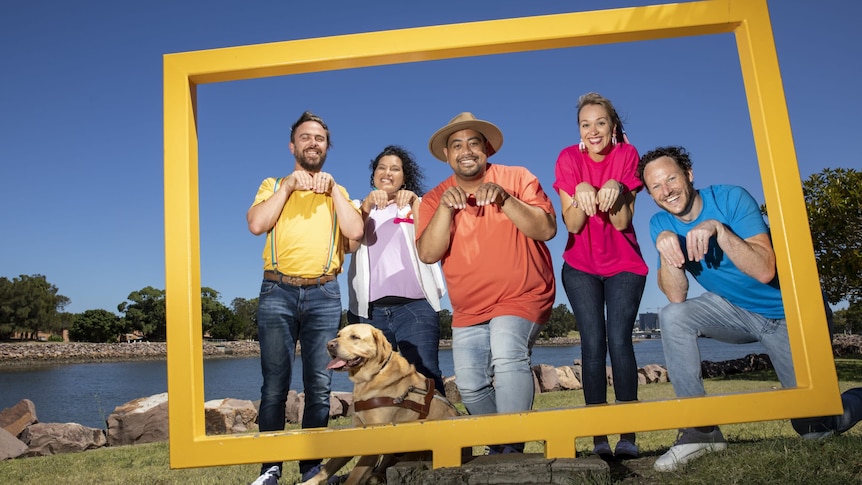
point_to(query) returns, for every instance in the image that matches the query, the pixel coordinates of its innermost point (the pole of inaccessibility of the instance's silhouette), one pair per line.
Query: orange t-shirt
(492, 269)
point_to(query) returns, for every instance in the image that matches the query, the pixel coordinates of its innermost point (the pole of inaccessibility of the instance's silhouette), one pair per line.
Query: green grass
(764, 452)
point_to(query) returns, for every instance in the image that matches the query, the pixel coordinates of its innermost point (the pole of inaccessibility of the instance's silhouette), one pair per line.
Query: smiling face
(596, 129)
(389, 174)
(672, 188)
(466, 153)
(309, 146)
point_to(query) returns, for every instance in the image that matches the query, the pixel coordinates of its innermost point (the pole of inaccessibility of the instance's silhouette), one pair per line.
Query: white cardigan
(429, 275)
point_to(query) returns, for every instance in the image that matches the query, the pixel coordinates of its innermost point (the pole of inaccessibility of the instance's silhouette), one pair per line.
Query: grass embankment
(759, 453)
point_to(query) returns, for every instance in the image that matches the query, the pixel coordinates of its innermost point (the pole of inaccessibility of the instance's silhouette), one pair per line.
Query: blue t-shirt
(734, 207)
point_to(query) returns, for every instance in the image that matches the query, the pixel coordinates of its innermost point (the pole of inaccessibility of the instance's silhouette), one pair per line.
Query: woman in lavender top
(389, 287)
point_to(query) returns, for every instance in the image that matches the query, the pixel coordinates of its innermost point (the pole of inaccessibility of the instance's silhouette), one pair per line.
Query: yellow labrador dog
(386, 389)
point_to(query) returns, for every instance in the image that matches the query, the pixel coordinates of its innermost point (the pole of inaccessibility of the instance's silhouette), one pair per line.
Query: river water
(88, 393)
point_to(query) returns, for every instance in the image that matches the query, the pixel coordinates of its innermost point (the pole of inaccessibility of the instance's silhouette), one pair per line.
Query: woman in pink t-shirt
(603, 271)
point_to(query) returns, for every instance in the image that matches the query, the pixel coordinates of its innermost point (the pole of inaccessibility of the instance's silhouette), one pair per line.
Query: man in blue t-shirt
(718, 235)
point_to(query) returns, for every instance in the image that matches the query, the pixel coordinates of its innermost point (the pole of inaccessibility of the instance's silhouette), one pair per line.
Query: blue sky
(81, 154)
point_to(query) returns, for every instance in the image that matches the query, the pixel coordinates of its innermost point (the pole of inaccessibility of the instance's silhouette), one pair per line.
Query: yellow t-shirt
(308, 241)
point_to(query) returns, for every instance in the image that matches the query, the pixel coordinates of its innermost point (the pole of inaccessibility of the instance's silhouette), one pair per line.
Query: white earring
(582, 146)
(614, 139)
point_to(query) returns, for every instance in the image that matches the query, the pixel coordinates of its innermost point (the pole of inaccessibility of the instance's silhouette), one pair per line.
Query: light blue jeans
(492, 365)
(286, 313)
(710, 315)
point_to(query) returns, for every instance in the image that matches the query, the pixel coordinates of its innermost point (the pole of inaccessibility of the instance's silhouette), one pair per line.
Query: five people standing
(486, 225)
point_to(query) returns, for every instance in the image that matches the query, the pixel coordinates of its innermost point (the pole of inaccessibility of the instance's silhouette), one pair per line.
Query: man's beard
(311, 165)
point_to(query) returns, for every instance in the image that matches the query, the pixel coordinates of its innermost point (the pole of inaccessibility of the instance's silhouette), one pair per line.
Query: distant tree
(561, 322)
(217, 320)
(7, 328)
(246, 312)
(849, 320)
(29, 303)
(833, 198)
(63, 322)
(145, 312)
(99, 326)
(445, 324)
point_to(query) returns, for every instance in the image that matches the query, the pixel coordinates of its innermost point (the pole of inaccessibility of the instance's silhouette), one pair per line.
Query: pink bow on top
(408, 218)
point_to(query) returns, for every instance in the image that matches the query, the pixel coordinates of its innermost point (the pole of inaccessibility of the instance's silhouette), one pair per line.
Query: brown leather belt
(296, 280)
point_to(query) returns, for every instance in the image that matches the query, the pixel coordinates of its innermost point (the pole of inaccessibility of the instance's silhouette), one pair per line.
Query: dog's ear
(381, 342)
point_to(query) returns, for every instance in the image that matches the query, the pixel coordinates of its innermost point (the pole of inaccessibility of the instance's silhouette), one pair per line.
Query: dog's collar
(387, 360)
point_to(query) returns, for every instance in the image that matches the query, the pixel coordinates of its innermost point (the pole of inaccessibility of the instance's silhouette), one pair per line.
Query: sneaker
(690, 444)
(626, 449)
(333, 480)
(814, 428)
(603, 450)
(823, 427)
(269, 477)
(852, 401)
(504, 449)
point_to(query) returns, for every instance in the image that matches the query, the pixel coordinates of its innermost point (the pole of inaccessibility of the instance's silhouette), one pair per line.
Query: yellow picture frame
(817, 388)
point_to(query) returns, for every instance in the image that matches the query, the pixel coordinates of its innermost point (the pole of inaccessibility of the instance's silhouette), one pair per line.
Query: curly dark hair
(414, 178)
(677, 153)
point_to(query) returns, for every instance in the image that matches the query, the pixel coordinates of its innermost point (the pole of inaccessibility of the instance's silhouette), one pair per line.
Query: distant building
(648, 321)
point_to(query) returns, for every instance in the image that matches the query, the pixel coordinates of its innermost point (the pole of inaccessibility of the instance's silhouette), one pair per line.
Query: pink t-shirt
(599, 248)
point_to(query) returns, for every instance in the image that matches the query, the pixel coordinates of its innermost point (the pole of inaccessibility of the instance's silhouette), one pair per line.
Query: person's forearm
(753, 256)
(533, 221)
(673, 282)
(573, 218)
(621, 216)
(349, 219)
(263, 216)
(434, 241)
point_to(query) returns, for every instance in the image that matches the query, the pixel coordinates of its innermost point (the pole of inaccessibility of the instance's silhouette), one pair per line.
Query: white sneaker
(690, 444)
(269, 477)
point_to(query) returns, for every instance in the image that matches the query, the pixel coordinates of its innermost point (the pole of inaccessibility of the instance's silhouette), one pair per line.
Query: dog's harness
(422, 408)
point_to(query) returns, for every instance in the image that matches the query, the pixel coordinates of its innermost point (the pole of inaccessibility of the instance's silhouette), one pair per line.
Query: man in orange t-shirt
(487, 225)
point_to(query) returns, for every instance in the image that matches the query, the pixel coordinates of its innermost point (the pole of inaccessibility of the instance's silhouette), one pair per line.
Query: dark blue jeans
(285, 314)
(590, 295)
(413, 329)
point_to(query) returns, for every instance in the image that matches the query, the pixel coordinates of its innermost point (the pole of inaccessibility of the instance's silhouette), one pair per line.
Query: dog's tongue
(336, 363)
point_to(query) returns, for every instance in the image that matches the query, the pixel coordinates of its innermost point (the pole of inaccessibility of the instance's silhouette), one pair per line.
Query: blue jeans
(710, 315)
(492, 365)
(413, 329)
(590, 295)
(285, 314)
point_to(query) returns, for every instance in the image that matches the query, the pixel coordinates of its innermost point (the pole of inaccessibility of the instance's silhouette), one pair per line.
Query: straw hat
(465, 121)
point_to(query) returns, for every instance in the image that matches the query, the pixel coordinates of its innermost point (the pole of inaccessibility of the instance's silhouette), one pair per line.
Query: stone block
(18, 417)
(227, 416)
(568, 378)
(10, 446)
(547, 378)
(143, 420)
(43, 439)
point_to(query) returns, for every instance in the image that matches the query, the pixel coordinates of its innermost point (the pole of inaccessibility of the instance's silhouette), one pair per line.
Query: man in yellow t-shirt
(309, 220)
